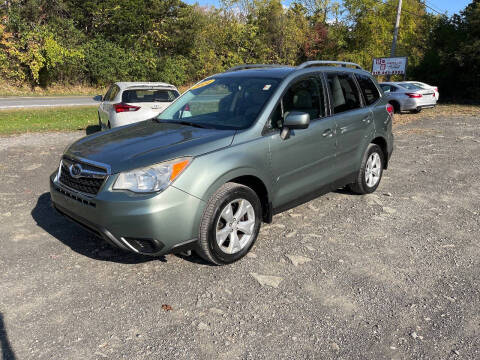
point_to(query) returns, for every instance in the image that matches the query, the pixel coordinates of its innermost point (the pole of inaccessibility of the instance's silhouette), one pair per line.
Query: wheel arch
(396, 105)
(380, 141)
(257, 185)
(251, 179)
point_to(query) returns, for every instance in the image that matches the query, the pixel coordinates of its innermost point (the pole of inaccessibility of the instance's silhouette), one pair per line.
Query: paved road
(391, 275)
(36, 102)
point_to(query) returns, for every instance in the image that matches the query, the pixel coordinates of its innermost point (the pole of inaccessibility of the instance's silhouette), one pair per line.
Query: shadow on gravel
(7, 351)
(79, 239)
(92, 129)
(345, 191)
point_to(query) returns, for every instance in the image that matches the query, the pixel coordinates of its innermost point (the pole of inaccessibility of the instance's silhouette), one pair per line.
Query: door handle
(328, 133)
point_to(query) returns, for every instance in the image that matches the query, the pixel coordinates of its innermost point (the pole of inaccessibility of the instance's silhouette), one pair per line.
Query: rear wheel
(371, 171)
(230, 224)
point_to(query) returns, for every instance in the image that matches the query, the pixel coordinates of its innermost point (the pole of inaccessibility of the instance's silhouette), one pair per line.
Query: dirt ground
(395, 274)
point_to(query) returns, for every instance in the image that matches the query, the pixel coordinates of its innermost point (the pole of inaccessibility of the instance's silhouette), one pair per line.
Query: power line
(434, 7)
(429, 7)
(403, 10)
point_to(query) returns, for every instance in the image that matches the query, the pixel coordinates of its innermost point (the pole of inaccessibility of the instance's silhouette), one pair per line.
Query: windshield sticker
(267, 87)
(202, 84)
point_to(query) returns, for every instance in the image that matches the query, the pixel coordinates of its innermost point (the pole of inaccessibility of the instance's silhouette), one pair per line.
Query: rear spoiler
(169, 86)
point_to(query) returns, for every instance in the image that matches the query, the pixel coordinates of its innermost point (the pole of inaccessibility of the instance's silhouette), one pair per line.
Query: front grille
(74, 197)
(86, 184)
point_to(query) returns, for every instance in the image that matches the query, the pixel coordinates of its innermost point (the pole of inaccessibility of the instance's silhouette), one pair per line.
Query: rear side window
(369, 90)
(345, 95)
(149, 95)
(388, 88)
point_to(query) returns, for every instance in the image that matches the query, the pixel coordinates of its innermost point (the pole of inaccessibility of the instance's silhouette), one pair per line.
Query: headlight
(152, 178)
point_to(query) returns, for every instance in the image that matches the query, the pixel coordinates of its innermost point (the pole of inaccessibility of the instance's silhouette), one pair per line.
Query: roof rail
(253, 66)
(326, 62)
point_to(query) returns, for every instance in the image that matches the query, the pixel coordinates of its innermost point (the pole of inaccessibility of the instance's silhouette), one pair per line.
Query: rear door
(305, 161)
(354, 120)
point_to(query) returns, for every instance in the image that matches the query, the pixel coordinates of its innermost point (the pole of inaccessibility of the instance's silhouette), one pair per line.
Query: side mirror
(98, 98)
(295, 120)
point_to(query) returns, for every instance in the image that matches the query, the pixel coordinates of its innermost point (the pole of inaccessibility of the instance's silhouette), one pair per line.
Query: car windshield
(222, 103)
(410, 86)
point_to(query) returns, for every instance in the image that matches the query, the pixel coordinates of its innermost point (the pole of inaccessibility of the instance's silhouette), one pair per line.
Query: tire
(375, 157)
(108, 125)
(219, 214)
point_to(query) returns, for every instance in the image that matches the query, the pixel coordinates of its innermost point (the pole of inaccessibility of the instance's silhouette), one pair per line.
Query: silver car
(426, 87)
(407, 97)
(131, 102)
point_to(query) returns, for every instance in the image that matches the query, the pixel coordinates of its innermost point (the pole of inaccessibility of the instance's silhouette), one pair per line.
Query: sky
(449, 6)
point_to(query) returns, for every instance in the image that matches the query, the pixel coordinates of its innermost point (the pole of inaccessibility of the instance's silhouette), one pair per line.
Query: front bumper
(150, 224)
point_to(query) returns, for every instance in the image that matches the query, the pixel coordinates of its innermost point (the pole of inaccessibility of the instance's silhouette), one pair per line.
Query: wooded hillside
(44, 42)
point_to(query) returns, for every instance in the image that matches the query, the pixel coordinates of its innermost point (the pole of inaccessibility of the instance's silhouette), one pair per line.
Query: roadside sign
(389, 66)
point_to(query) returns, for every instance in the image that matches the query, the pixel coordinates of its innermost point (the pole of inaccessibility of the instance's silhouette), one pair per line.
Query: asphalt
(390, 275)
(38, 102)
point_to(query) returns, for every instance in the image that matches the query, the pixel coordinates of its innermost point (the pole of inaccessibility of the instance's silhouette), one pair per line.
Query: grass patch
(51, 119)
(53, 90)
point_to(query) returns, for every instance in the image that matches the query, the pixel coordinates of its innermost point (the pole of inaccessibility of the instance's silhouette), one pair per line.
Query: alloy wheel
(373, 169)
(235, 226)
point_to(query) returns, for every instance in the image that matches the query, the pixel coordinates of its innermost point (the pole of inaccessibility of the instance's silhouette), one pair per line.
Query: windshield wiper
(186, 123)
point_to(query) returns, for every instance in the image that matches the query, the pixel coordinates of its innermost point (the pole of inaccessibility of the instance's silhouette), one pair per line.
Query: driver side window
(305, 95)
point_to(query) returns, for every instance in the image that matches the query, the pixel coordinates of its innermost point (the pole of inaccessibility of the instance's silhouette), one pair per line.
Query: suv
(130, 102)
(227, 155)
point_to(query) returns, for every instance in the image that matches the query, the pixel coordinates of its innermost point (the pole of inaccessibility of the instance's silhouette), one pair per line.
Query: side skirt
(349, 179)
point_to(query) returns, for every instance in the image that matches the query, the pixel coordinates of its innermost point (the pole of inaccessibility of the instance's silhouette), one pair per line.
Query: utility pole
(395, 32)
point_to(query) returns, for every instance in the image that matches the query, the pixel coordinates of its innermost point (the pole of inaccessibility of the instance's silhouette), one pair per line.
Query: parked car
(256, 140)
(426, 87)
(407, 97)
(130, 102)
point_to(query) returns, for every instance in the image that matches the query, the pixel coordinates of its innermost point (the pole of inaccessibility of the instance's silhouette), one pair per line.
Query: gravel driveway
(395, 274)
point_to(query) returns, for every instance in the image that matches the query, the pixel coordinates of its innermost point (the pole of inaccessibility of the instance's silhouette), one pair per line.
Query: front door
(305, 161)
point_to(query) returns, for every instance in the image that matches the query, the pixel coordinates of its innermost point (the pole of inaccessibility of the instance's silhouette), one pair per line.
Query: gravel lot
(395, 274)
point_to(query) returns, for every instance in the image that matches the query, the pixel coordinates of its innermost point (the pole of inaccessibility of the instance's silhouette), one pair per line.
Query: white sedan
(425, 87)
(130, 102)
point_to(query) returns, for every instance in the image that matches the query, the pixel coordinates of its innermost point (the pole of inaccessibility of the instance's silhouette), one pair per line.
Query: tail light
(436, 89)
(119, 108)
(390, 109)
(414, 95)
(186, 108)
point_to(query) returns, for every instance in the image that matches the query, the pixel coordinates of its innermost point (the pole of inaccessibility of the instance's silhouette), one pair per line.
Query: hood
(148, 142)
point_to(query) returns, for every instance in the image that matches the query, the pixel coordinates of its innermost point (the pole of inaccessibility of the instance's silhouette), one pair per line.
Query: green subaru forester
(232, 151)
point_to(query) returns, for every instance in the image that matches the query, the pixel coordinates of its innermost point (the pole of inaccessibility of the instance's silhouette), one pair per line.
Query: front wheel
(230, 224)
(371, 171)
